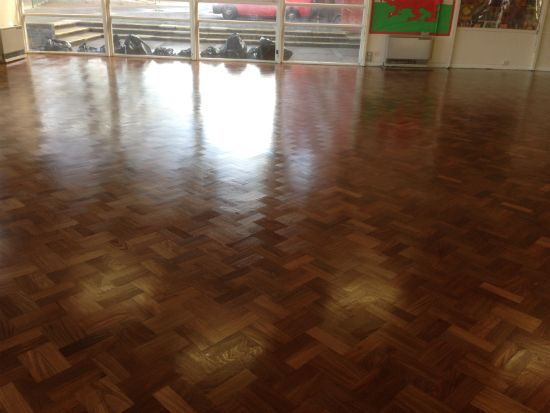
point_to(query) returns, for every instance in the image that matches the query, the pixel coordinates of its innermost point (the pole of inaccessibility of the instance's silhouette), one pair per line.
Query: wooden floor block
(172, 401)
(44, 361)
(12, 401)
(491, 401)
(103, 396)
(501, 292)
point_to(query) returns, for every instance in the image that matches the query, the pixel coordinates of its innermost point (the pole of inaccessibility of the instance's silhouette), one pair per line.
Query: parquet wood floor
(181, 237)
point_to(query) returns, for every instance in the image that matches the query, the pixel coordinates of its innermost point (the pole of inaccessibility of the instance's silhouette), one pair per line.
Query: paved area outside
(129, 8)
(138, 8)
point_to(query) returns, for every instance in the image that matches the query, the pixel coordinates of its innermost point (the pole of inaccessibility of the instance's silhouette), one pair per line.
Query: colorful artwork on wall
(500, 14)
(412, 16)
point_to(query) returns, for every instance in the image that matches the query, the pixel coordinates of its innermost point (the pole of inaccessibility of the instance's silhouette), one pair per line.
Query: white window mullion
(280, 32)
(23, 22)
(365, 33)
(454, 28)
(194, 10)
(107, 27)
(540, 31)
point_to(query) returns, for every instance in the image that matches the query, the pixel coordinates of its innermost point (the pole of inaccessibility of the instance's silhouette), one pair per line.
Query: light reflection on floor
(238, 111)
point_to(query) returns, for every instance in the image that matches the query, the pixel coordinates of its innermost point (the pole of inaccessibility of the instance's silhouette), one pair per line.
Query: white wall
(543, 62)
(8, 13)
(477, 48)
(376, 45)
(494, 48)
(441, 52)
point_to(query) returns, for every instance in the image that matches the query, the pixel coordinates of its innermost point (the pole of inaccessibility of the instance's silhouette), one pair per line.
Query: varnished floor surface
(231, 238)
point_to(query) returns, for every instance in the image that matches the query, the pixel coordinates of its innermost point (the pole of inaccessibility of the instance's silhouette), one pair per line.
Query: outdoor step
(255, 42)
(70, 31)
(260, 32)
(243, 34)
(219, 40)
(144, 32)
(335, 45)
(303, 36)
(63, 24)
(289, 36)
(87, 31)
(83, 38)
(137, 28)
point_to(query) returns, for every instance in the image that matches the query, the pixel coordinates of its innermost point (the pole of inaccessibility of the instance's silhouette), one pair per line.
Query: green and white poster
(412, 16)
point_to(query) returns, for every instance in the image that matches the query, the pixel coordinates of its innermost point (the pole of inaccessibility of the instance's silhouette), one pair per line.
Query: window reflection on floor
(238, 111)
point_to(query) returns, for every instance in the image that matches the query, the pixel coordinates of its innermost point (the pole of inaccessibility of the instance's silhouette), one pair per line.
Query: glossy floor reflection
(251, 238)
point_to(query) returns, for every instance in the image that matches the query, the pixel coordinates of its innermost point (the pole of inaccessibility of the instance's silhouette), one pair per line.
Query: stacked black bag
(54, 45)
(234, 48)
(266, 51)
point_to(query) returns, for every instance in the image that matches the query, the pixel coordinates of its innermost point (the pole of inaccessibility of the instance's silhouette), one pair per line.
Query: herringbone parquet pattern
(230, 238)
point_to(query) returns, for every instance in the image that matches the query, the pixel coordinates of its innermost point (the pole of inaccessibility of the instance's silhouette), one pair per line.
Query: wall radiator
(408, 50)
(12, 46)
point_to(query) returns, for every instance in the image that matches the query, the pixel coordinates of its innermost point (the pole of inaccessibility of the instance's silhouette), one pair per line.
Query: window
(237, 41)
(62, 26)
(300, 30)
(323, 32)
(151, 37)
(151, 28)
(243, 30)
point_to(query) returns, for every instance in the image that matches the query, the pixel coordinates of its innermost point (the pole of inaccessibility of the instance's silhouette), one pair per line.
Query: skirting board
(379, 64)
(496, 67)
(455, 66)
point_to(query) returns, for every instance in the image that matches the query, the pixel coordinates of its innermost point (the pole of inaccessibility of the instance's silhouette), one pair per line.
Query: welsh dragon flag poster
(412, 16)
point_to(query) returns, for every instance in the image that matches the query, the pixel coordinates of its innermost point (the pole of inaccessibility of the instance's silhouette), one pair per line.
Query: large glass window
(238, 30)
(502, 14)
(322, 44)
(323, 32)
(151, 27)
(237, 41)
(151, 37)
(71, 26)
(310, 30)
(65, 34)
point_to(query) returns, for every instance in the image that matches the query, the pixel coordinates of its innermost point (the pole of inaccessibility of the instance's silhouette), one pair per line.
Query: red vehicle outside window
(266, 11)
